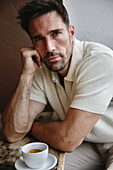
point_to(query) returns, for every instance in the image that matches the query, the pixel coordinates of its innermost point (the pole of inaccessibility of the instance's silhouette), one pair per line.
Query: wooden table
(9, 152)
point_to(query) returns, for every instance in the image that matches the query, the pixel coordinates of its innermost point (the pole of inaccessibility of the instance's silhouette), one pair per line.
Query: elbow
(69, 141)
(69, 145)
(72, 146)
(11, 138)
(8, 137)
(13, 135)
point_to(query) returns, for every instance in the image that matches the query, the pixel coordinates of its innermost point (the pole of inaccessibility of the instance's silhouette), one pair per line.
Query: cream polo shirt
(88, 86)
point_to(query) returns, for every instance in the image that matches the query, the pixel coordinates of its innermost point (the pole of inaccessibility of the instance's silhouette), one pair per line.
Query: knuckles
(27, 51)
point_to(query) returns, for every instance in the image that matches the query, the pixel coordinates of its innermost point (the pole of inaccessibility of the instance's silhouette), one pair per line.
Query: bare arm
(17, 120)
(68, 134)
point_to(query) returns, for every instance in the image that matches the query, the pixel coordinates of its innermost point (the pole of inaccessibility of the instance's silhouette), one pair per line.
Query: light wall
(93, 20)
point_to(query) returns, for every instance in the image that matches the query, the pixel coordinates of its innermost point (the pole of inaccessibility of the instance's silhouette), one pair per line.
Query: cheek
(40, 51)
(63, 45)
(69, 48)
(66, 46)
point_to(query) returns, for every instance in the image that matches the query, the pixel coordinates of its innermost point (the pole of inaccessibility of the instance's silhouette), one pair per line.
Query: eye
(37, 38)
(56, 33)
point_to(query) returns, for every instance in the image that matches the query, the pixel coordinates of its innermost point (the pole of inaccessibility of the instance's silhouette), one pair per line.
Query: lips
(53, 58)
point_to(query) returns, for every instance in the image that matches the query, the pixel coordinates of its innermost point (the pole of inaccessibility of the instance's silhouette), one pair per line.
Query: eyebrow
(37, 36)
(40, 36)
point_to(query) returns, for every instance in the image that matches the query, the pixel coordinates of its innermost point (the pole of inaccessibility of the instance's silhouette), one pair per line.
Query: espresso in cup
(34, 151)
(34, 154)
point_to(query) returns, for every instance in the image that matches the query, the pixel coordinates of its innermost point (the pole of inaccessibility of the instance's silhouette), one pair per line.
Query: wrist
(36, 129)
(27, 73)
(27, 78)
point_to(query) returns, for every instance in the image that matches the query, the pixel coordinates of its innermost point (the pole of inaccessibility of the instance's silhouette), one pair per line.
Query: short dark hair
(37, 8)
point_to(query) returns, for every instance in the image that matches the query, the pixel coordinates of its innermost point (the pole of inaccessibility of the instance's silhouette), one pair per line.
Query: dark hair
(37, 8)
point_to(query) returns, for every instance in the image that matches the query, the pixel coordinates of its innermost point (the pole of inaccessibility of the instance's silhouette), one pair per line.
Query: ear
(72, 31)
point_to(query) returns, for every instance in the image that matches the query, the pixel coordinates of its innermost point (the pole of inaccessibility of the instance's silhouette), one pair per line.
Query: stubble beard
(58, 65)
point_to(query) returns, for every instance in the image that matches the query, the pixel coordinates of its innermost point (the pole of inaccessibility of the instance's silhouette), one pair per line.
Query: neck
(64, 72)
(61, 78)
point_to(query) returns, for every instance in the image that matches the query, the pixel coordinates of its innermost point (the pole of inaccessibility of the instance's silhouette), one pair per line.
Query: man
(75, 77)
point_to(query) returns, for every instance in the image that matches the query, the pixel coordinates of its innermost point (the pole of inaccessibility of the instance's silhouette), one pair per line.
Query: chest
(60, 94)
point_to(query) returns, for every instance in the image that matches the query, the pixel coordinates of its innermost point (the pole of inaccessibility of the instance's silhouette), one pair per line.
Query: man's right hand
(30, 60)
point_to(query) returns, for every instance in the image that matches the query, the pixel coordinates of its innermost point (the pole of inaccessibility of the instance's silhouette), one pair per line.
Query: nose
(50, 45)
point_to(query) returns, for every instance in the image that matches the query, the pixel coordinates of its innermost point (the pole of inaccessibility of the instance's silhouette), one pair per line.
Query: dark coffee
(34, 150)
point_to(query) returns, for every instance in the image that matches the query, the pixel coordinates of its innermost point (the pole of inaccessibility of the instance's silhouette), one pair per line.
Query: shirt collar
(76, 57)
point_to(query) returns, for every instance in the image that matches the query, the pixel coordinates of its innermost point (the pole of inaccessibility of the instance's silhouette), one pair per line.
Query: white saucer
(50, 163)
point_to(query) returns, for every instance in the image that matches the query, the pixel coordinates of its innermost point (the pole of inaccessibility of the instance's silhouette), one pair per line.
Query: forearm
(47, 132)
(15, 116)
(67, 134)
(55, 134)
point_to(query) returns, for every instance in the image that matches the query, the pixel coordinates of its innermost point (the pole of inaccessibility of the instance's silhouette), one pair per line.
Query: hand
(30, 60)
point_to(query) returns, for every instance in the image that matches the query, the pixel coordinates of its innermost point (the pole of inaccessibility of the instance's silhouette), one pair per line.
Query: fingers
(30, 60)
(32, 53)
(36, 58)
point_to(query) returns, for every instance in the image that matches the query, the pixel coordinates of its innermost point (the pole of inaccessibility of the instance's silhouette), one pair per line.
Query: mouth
(53, 58)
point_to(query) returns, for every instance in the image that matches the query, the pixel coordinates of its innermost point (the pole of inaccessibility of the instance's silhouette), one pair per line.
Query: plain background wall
(93, 21)
(12, 38)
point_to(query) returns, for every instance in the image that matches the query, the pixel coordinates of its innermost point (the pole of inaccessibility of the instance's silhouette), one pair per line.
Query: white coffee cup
(34, 160)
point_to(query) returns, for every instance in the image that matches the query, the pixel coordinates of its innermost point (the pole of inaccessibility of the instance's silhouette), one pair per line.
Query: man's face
(53, 41)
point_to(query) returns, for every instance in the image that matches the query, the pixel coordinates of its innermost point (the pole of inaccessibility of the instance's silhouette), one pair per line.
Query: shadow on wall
(12, 38)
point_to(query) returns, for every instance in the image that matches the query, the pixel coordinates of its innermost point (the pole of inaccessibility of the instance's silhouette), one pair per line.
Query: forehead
(46, 23)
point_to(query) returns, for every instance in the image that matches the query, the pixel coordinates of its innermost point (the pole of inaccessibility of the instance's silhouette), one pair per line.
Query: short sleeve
(94, 83)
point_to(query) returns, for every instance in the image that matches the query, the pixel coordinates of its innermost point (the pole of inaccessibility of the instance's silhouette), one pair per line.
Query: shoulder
(97, 51)
(97, 47)
(95, 54)
(97, 61)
